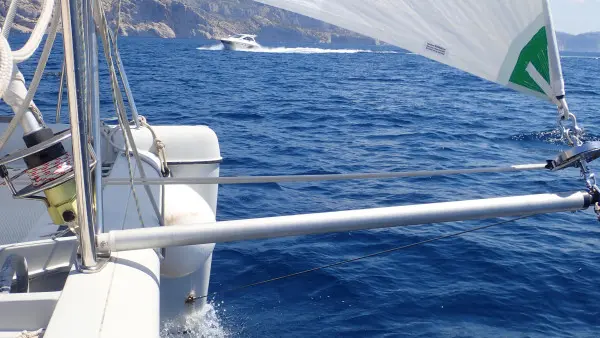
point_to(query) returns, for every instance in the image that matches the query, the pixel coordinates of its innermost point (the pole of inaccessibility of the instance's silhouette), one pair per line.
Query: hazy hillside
(210, 19)
(588, 42)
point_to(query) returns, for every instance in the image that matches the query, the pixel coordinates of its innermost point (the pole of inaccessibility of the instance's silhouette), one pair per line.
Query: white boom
(318, 223)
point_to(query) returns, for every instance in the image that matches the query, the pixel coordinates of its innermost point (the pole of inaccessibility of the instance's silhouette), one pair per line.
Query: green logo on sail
(536, 53)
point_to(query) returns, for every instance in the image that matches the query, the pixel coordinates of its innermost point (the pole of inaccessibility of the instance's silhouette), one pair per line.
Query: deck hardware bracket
(571, 158)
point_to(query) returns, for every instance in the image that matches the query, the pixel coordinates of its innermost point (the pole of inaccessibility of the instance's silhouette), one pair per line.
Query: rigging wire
(120, 109)
(121, 114)
(118, 25)
(317, 178)
(61, 87)
(192, 298)
(130, 100)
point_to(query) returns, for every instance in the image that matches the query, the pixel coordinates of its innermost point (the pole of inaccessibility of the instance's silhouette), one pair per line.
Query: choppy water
(308, 110)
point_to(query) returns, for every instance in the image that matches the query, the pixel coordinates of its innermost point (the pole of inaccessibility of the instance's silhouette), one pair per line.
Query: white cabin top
(246, 37)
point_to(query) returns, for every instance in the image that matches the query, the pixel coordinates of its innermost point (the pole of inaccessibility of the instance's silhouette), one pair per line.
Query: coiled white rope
(160, 147)
(10, 16)
(37, 77)
(6, 65)
(37, 34)
(51, 170)
(317, 178)
(31, 334)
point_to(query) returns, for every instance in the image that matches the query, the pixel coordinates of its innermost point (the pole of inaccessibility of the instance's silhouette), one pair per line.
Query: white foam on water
(579, 57)
(214, 47)
(306, 50)
(203, 323)
(298, 50)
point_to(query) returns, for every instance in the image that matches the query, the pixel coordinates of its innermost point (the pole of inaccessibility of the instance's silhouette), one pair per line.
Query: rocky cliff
(207, 19)
(211, 19)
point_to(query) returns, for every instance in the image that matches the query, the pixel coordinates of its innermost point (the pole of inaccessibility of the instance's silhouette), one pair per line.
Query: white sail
(497, 40)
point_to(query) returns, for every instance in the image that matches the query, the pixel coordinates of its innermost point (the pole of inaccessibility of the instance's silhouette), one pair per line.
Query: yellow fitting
(60, 199)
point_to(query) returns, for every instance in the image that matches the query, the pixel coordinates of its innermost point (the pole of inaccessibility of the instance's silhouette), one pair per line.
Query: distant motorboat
(240, 41)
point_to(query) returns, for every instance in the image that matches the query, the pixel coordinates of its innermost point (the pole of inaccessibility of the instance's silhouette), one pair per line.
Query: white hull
(234, 44)
(121, 300)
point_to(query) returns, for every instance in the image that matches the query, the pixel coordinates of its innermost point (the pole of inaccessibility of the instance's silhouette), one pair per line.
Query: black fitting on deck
(43, 156)
(3, 171)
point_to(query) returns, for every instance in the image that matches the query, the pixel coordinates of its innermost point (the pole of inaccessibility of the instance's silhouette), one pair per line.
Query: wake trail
(297, 50)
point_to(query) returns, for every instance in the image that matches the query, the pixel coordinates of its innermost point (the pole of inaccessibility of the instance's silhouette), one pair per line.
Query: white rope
(31, 334)
(160, 147)
(6, 65)
(10, 16)
(37, 77)
(51, 170)
(317, 178)
(37, 34)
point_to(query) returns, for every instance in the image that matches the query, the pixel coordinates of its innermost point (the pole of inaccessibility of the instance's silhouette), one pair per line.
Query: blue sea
(336, 109)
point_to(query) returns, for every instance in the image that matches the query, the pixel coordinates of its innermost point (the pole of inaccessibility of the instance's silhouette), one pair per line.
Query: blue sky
(576, 16)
